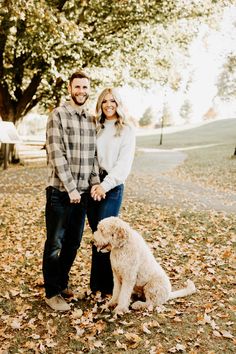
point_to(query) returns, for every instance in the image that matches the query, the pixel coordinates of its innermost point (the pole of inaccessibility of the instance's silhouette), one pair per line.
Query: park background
(175, 65)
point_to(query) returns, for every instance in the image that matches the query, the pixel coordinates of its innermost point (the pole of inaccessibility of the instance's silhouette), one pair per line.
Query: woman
(115, 152)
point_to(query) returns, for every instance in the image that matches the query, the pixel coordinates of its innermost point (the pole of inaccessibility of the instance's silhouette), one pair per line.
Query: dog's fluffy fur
(134, 268)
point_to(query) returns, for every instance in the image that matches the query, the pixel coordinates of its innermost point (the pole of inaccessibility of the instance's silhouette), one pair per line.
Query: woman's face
(109, 106)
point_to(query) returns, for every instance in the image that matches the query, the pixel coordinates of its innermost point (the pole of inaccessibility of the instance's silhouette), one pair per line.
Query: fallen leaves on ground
(188, 244)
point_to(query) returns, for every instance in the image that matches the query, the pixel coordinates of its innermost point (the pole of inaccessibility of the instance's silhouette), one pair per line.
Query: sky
(207, 55)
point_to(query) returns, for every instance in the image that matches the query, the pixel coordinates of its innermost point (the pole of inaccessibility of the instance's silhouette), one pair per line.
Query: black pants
(101, 278)
(65, 225)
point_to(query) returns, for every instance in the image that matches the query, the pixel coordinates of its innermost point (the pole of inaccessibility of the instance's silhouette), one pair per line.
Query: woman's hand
(97, 192)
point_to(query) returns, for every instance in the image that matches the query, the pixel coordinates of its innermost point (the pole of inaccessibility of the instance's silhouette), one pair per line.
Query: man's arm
(57, 152)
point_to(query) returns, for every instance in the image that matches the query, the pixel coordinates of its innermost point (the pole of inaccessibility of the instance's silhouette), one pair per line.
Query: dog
(134, 268)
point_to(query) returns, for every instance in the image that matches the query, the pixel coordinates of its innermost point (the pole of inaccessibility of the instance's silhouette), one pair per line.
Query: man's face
(79, 90)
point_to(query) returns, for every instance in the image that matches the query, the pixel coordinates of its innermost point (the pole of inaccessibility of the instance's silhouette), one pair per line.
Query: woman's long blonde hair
(100, 117)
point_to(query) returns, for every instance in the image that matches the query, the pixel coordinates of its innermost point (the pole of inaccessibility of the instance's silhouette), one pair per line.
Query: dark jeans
(101, 278)
(65, 225)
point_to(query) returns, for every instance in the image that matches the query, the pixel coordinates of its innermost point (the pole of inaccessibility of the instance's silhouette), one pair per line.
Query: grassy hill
(217, 132)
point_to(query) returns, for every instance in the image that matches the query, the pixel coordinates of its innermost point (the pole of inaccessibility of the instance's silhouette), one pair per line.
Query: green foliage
(42, 41)
(33, 42)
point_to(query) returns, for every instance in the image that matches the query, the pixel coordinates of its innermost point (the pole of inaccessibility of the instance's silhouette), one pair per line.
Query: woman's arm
(122, 167)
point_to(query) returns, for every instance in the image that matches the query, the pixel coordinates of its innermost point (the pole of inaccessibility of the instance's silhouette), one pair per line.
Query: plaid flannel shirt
(71, 150)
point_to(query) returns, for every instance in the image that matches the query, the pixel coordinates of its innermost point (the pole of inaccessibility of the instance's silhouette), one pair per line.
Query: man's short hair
(78, 75)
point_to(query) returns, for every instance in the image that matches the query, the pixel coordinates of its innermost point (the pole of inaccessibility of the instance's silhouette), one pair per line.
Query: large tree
(41, 41)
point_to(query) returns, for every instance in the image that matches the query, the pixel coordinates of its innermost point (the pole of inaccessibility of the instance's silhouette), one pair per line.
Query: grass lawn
(205, 164)
(216, 132)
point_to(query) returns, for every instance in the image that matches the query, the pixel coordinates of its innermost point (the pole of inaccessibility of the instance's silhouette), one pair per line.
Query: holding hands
(97, 192)
(74, 196)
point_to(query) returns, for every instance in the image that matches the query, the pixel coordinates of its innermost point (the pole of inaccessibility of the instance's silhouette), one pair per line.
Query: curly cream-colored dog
(134, 268)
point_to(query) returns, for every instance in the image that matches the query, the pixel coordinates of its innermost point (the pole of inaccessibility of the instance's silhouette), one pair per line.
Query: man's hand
(97, 192)
(74, 196)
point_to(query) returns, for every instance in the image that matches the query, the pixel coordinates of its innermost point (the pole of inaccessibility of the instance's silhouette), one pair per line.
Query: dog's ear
(101, 228)
(120, 236)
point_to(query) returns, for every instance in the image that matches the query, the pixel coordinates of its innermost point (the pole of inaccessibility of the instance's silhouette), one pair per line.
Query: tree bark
(27, 96)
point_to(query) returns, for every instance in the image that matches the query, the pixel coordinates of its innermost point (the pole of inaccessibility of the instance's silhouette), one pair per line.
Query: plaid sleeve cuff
(70, 187)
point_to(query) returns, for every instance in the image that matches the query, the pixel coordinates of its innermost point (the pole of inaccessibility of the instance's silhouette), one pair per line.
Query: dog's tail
(190, 289)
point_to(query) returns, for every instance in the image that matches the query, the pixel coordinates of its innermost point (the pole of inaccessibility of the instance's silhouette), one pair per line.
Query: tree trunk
(8, 154)
(1, 154)
(13, 154)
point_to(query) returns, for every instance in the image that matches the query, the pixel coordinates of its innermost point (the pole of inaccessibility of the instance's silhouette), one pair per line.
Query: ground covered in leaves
(189, 244)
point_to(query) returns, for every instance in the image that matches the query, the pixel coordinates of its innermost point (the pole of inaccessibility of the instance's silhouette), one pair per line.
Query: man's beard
(74, 98)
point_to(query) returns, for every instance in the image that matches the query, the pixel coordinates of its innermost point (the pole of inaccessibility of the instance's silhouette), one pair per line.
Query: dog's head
(111, 233)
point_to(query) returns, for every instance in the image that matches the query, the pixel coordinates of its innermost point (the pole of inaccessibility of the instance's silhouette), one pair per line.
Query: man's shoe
(67, 293)
(57, 303)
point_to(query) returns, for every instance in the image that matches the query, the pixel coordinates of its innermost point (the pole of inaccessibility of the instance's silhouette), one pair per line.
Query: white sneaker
(57, 303)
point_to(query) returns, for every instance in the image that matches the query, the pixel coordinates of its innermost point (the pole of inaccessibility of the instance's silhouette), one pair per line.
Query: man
(72, 168)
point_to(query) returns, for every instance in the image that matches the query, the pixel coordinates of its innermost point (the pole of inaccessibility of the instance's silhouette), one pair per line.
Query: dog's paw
(119, 311)
(191, 286)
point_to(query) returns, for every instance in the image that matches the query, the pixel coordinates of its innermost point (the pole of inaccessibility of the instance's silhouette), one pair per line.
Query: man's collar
(81, 111)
